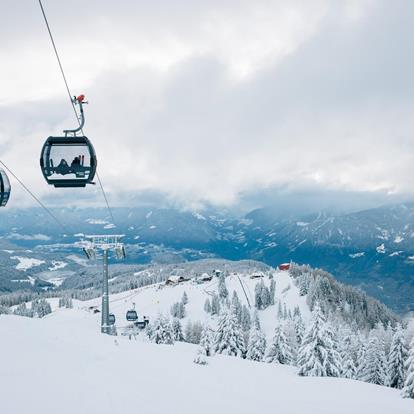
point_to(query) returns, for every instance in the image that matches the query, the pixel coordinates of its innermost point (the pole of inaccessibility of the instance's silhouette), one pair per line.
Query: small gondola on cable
(70, 160)
(5, 188)
(131, 315)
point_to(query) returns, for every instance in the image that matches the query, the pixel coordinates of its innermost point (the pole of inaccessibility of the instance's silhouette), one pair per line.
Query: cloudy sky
(216, 101)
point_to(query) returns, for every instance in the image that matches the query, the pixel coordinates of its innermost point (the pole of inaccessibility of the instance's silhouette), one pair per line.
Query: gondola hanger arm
(78, 100)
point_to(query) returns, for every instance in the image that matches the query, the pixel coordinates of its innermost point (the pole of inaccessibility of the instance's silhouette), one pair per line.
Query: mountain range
(372, 249)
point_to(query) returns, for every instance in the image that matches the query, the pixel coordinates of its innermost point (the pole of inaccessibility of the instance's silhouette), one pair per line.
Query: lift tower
(104, 243)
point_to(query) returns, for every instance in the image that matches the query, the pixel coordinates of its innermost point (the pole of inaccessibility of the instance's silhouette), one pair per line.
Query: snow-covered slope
(155, 299)
(63, 364)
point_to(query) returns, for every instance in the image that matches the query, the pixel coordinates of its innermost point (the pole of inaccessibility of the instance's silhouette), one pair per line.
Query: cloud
(207, 101)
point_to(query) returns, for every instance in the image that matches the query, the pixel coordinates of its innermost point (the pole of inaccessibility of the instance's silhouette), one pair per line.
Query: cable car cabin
(5, 188)
(111, 319)
(131, 316)
(68, 161)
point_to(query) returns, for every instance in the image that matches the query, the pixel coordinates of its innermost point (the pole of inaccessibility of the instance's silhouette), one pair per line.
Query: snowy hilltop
(238, 338)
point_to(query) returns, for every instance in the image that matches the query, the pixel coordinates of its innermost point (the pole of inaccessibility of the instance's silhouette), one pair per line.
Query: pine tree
(374, 363)
(361, 355)
(207, 306)
(280, 350)
(265, 296)
(317, 354)
(161, 331)
(408, 390)
(396, 360)
(279, 311)
(348, 366)
(245, 319)
(193, 332)
(299, 326)
(258, 295)
(206, 341)
(222, 288)
(178, 310)
(272, 291)
(257, 341)
(177, 330)
(229, 339)
(235, 303)
(215, 305)
(184, 299)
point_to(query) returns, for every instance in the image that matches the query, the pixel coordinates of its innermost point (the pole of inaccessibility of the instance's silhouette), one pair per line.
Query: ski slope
(62, 364)
(155, 299)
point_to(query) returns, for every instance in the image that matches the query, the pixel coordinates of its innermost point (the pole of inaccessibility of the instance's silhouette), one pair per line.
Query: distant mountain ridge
(372, 249)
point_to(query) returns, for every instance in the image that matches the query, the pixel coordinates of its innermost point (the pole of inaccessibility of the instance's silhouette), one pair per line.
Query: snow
(63, 364)
(109, 226)
(96, 221)
(199, 216)
(355, 255)
(381, 248)
(26, 263)
(302, 223)
(56, 265)
(155, 299)
(9, 251)
(398, 239)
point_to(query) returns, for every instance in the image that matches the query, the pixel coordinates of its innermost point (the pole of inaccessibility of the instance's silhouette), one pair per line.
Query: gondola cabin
(68, 161)
(5, 188)
(111, 319)
(131, 315)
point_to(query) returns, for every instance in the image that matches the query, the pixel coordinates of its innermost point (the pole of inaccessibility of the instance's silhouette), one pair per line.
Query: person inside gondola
(63, 167)
(76, 162)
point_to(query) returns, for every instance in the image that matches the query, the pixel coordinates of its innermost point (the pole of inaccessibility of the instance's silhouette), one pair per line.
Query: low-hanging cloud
(227, 98)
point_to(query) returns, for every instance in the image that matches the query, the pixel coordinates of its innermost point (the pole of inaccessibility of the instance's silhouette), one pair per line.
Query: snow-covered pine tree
(360, 360)
(279, 311)
(245, 320)
(177, 330)
(257, 341)
(41, 307)
(317, 354)
(215, 304)
(184, 299)
(235, 303)
(280, 350)
(161, 332)
(207, 305)
(397, 358)
(200, 358)
(178, 310)
(374, 363)
(22, 310)
(206, 341)
(299, 325)
(272, 291)
(265, 293)
(408, 390)
(285, 313)
(258, 295)
(348, 365)
(222, 288)
(229, 338)
(193, 332)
